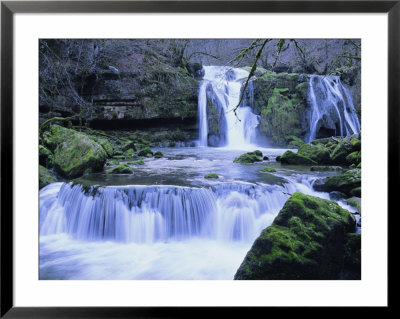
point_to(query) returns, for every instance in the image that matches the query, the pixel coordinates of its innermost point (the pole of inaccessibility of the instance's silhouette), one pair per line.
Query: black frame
(8, 8)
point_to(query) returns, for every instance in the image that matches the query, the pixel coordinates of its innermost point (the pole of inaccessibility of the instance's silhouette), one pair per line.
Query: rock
(112, 162)
(306, 241)
(352, 258)
(45, 177)
(139, 162)
(354, 158)
(158, 154)
(120, 169)
(74, 152)
(318, 153)
(130, 153)
(146, 152)
(211, 175)
(278, 158)
(296, 159)
(45, 156)
(335, 195)
(341, 151)
(265, 158)
(348, 183)
(355, 202)
(249, 157)
(326, 168)
(295, 142)
(268, 169)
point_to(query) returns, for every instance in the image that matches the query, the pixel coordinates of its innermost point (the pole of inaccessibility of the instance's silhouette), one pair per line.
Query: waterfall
(332, 108)
(219, 94)
(146, 214)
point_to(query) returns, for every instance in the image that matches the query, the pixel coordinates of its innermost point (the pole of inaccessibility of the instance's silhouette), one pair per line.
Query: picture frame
(9, 8)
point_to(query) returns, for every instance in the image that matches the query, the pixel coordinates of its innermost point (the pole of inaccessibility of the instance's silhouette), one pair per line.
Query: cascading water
(332, 107)
(219, 94)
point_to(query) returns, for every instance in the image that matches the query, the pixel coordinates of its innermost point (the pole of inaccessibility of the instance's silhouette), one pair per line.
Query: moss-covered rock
(130, 153)
(292, 158)
(318, 153)
(305, 241)
(45, 156)
(211, 175)
(295, 142)
(249, 157)
(355, 202)
(348, 183)
(158, 154)
(74, 152)
(268, 169)
(326, 168)
(45, 177)
(145, 152)
(112, 162)
(139, 162)
(120, 169)
(354, 158)
(352, 257)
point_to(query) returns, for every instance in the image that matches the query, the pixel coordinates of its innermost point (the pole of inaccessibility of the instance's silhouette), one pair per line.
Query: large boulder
(74, 153)
(292, 158)
(348, 183)
(318, 153)
(306, 241)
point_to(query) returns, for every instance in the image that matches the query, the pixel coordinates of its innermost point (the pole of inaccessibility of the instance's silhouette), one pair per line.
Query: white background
(370, 291)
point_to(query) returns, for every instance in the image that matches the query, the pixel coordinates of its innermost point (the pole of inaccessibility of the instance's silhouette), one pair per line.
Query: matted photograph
(199, 159)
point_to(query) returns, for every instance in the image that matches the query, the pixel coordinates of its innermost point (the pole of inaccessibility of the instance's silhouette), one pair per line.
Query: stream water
(166, 221)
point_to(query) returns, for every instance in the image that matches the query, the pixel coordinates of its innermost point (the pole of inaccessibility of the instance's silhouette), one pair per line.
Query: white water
(332, 102)
(226, 84)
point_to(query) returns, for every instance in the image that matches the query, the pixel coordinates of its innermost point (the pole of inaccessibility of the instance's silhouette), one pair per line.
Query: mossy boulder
(292, 158)
(211, 175)
(306, 241)
(295, 142)
(158, 154)
(120, 169)
(268, 169)
(348, 183)
(130, 153)
(74, 152)
(341, 151)
(45, 177)
(145, 152)
(318, 153)
(249, 157)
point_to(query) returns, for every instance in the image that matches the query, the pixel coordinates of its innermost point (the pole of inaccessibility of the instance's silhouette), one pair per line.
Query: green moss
(139, 162)
(249, 157)
(74, 152)
(46, 157)
(318, 153)
(146, 152)
(130, 153)
(290, 157)
(355, 202)
(294, 141)
(158, 154)
(211, 175)
(268, 169)
(120, 169)
(45, 177)
(305, 241)
(354, 158)
(112, 162)
(119, 157)
(345, 183)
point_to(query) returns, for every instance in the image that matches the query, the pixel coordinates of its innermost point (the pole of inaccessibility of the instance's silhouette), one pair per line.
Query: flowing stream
(166, 221)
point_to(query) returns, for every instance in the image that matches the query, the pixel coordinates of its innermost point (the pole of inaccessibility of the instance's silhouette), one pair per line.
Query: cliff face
(147, 84)
(109, 84)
